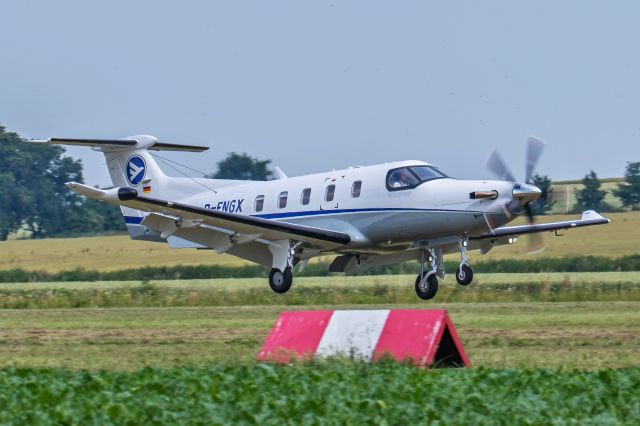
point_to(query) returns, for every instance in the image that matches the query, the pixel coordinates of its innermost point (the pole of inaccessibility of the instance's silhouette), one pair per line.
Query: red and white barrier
(426, 337)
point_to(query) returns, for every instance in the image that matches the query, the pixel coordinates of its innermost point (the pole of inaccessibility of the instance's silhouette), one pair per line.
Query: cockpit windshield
(426, 173)
(410, 177)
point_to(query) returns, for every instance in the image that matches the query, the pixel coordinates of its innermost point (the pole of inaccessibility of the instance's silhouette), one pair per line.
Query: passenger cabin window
(355, 188)
(306, 196)
(329, 193)
(282, 199)
(259, 205)
(410, 177)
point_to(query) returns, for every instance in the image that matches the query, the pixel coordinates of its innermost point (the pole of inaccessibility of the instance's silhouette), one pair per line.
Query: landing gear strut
(464, 274)
(427, 281)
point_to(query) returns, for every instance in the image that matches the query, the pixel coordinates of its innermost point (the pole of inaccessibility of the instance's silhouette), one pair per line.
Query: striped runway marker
(426, 337)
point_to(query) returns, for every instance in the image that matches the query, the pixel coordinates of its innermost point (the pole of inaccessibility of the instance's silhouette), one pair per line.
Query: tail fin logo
(136, 169)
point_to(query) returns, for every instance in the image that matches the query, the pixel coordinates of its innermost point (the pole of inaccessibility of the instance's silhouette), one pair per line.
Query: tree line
(591, 196)
(34, 200)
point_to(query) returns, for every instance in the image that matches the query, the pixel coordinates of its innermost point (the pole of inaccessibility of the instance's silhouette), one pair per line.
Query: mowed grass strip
(587, 335)
(332, 393)
(335, 290)
(113, 253)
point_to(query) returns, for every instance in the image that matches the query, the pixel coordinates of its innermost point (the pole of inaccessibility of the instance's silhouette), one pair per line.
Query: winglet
(592, 215)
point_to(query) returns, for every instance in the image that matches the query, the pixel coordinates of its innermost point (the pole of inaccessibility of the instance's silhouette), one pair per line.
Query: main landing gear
(281, 276)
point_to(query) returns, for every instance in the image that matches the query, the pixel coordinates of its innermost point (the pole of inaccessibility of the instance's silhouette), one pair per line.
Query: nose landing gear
(427, 279)
(464, 274)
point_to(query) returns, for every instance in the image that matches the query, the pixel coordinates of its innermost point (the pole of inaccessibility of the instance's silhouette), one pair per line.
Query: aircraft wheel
(279, 281)
(426, 290)
(464, 275)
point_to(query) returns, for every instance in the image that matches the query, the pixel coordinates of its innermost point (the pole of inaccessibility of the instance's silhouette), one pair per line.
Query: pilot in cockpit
(401, 178)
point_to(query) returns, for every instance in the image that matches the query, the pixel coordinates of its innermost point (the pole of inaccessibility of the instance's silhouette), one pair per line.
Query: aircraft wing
(249, 227)
(589, 218)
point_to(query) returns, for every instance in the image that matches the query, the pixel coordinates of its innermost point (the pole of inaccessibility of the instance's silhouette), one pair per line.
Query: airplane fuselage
(377, 217)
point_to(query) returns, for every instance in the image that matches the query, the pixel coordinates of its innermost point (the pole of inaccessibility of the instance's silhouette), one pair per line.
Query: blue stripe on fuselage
(136, 220)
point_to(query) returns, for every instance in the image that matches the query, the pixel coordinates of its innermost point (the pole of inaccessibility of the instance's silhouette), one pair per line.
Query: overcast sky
(319, 85)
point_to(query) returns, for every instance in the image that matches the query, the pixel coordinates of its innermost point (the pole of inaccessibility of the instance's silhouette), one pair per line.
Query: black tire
(279, 281)
(464, 275)
(431, 286)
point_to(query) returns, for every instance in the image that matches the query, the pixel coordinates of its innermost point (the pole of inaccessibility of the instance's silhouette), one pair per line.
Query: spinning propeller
(523, 193)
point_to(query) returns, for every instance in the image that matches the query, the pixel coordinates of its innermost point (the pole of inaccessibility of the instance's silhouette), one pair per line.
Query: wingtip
(72, 185)
(594, 215)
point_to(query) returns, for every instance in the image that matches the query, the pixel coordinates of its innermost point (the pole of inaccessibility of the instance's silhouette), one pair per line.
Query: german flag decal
(146, 189)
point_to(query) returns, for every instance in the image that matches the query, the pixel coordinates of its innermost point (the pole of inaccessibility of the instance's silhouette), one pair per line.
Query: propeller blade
(560, 197)
(498, 167)
(534, 151)
(535, 243)
(529, 212)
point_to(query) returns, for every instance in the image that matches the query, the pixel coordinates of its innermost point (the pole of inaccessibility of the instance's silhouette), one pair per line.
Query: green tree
(629, 191)
(33, 195)
(545, 203)
(243, 167)
(591, 197)
(109, 217)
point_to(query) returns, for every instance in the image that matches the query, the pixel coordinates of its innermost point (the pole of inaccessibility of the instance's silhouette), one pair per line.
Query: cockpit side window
(402, 178)
(410, 177)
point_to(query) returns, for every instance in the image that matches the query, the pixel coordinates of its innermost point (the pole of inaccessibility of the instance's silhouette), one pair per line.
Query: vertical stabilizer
(130, 164)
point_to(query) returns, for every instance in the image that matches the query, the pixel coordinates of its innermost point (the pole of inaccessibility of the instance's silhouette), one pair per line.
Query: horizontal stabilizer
(87, 191)
(130, 143)
(96, 143)
(159, 146)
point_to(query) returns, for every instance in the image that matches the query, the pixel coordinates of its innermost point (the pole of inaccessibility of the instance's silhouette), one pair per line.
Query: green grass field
(175, 352)
(118, 252)
(576, 335)
(178, 323)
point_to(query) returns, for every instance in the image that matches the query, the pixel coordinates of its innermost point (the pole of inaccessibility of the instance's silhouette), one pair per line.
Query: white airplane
(368, 216)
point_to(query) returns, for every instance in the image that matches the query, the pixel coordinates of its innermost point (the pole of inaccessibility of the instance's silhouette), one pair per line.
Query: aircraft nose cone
(526, 193)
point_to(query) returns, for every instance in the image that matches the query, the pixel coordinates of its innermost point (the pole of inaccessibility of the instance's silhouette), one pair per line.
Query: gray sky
(322, 85)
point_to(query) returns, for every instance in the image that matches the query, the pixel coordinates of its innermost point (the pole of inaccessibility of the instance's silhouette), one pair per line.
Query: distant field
(622, 237)
(570, 187)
